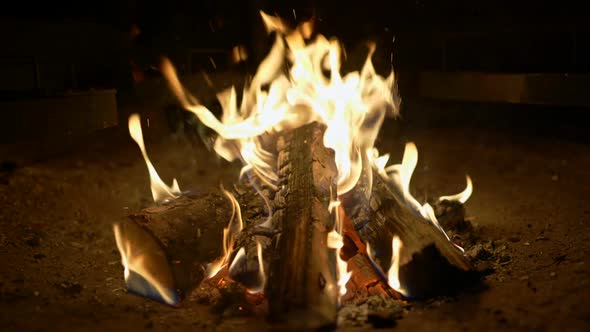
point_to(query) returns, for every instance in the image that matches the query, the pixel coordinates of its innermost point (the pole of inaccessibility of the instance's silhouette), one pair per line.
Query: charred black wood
(259, 230)
(177, 239)
(366, 279)
(302, 287)
(451, 215)
(429, 263)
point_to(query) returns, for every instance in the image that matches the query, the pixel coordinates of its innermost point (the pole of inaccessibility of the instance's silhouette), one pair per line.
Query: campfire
(336, 223)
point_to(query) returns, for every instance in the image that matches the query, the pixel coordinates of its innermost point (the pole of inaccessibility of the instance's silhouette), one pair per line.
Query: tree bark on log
(172, 243)
(302, 287)
(430, 264)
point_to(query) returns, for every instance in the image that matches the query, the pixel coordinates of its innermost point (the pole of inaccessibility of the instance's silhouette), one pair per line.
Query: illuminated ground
(60, 269)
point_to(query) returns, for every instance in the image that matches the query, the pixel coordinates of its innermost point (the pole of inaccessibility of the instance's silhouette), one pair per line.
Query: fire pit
(336, 224)
(299, 236)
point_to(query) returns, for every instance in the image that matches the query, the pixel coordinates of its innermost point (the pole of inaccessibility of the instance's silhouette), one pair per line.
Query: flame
(146, 268)
(239, 54)
(160, 191)
(335, 241)
(461, 197)
(393, 273)
(234, 227)
(352, 106)
(400, 175)
(261, 273)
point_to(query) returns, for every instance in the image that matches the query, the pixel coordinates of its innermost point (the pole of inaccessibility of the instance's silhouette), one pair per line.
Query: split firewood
(167, 246)
(253, 246)
(429, 264)
(451, 215)
(366, 280)
(302, 286)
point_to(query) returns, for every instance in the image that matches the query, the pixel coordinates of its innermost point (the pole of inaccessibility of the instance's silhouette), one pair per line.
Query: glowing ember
(160, 191)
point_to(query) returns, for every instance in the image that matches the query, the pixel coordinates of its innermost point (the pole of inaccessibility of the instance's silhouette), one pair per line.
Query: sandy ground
(61, 270)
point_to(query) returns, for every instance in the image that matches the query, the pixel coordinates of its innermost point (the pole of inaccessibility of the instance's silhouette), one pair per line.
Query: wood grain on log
(301, 288)
(188, 231)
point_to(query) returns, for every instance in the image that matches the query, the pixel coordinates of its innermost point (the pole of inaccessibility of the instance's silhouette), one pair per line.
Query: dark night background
(58, 46)
(496, 89)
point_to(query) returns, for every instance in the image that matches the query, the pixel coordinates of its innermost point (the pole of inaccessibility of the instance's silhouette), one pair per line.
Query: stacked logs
(301, 277)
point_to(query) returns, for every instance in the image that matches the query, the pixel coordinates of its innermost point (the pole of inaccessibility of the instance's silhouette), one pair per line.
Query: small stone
(552, 274)
(523, 278)
(526, 244)
(555, 177)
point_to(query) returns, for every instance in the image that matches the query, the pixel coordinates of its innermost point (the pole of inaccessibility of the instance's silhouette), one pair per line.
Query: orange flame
(230, 233)
(335, 241)
(352, 106)
(161, 193)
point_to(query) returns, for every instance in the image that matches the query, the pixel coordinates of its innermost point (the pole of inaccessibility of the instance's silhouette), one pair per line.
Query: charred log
(167, 242)
(429, 263)
(259, 230)
(366, 279)
(301, 288)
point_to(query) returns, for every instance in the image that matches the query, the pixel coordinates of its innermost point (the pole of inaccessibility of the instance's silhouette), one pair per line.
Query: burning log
(302, 283)
(429, 264)
(162, 247)
(254, 243)
(365, 279)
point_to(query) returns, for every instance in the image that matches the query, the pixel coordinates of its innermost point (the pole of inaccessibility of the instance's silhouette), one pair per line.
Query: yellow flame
(143, 256)
(393, 273)
(261, 273)
(461, 197)
(239, 54)
(273, 23)
(160, 191)
(351, 106)
(336, 241)
(230, 233)
(400, 176)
